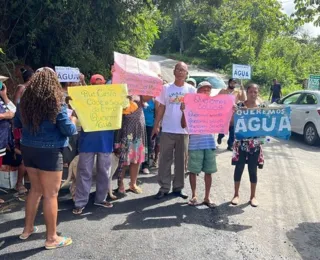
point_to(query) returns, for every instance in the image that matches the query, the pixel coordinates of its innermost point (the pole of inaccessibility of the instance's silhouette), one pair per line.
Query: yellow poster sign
(99, 107)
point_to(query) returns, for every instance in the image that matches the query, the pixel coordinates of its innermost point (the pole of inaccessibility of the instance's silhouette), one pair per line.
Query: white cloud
(288, 8)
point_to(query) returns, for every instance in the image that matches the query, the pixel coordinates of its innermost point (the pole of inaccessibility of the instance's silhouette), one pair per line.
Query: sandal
(21, 189)
(105, 204)
(135, 189)
(193, 202)
(66, 241)
(112, 196)
(24, 237)
(78, 211)
(209, 204)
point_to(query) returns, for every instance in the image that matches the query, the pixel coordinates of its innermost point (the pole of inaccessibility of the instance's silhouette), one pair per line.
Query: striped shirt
(201, 142)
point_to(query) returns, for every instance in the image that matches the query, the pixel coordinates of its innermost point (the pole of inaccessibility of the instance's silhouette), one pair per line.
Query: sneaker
(145, 171)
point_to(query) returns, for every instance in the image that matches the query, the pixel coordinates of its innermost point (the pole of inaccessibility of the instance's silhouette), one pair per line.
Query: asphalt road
(286, 225)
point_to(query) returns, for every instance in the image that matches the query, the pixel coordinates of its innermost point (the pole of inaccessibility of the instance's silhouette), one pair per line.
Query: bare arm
(159, 115)
(242, 95)
(183, 118)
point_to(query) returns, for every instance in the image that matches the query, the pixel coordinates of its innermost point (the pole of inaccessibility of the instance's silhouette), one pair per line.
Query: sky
(288, 8)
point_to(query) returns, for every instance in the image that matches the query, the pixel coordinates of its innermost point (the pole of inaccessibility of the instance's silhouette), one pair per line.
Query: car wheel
(310, 134)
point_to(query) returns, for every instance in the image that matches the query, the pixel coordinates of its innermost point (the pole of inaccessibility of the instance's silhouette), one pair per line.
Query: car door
(306, 111)
(292, 101)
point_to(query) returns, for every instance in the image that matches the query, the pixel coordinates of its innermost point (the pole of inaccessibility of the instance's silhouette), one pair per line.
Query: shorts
(44, 159)
(202, 161)
(12, 159)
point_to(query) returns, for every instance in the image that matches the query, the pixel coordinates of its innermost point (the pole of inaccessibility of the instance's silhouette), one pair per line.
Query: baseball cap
(192, 80)
(3, 78)
(204, 84)
(96, 77)
(232, 79)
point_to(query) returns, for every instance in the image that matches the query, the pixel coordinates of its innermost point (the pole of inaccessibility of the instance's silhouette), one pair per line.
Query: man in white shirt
(174, 139)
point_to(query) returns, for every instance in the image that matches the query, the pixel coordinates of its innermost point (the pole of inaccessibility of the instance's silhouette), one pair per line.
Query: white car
(305, 113)
(216, 81)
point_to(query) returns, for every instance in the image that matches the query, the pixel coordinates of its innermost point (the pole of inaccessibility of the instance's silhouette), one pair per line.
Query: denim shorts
(44, 159)
(202, 161)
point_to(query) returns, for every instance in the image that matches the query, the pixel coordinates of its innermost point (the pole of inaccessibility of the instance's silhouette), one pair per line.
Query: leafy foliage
(245, 32)
(76, 33)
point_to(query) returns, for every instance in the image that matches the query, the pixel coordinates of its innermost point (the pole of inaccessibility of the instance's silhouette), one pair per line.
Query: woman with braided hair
(42, 115)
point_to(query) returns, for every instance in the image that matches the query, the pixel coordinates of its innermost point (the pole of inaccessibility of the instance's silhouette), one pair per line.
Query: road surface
(286, 225)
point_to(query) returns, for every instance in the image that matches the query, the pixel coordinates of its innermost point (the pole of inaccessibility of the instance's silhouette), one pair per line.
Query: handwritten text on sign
(99, 107)
(262, 122)
(241, 71)
(208, 115)
(68, 74)
(141, 76)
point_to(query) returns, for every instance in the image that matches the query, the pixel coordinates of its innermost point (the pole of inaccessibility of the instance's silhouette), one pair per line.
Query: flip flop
(104, 204)
(209, 204)
(135, 189)
(21, 189)
(77, 211)
(193, 202)
(24, 237)
(66, 241)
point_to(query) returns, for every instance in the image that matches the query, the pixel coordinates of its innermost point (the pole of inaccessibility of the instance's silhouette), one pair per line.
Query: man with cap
(93, 144)
(192, 82)
(240, 95)
(202, 156)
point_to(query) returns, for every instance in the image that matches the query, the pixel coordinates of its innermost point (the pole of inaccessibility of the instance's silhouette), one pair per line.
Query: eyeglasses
(41, 69)
(182, 70)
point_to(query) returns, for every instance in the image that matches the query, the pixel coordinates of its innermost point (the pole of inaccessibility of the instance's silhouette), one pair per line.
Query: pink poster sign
(141, 76)
(208, 115)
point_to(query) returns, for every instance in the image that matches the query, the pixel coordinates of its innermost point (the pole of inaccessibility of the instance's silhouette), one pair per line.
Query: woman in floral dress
(130, 143)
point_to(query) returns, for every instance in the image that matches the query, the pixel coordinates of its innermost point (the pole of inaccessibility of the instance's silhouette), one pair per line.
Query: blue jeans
(231, 136)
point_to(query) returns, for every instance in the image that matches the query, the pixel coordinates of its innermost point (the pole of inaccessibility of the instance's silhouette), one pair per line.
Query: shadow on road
(306, 240)
(22, 254)
(180, 213)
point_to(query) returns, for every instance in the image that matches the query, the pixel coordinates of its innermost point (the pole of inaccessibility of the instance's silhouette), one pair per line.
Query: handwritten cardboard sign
(262, 122)
(208, 115)
(67, 74)
(99, 107)
(141, 76)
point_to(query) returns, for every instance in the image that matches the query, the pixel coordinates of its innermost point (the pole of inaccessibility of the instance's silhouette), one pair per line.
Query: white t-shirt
(171, 97)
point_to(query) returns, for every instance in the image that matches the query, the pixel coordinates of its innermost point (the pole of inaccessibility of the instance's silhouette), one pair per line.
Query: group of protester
(152, 127)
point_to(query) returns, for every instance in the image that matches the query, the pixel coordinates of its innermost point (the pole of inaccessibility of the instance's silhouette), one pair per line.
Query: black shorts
(45, 159)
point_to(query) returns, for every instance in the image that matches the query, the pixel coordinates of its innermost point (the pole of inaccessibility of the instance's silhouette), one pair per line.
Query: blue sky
(288, 8)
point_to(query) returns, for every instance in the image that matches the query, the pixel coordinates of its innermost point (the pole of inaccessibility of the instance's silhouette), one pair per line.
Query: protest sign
(141, 76)
(208, 115)
(241, 71)
(262, 122)
(99, 107)
(314, 82)
(67, 74)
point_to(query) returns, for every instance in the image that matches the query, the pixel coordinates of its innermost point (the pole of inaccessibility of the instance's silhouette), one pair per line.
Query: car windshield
(216, 82)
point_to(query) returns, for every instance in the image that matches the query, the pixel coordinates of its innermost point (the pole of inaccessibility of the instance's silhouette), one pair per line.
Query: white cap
(3, 78)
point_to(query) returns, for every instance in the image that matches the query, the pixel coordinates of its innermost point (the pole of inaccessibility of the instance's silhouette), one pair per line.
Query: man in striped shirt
(202, 156)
